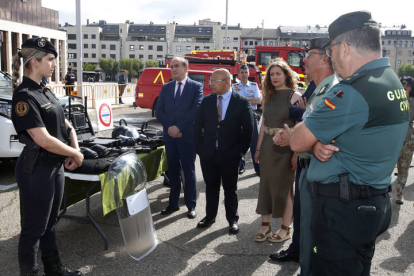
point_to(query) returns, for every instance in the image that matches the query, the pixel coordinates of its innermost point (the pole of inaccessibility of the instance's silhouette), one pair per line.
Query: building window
(250, 42)
(85, 46)
(141, 47)
(71, 55)
(400, 43)
(409, 53)
(93, 46)
(207, 47)
(131, 47)
(150, 47)
(85, 55)
(141, 56)
(93, 55)
(103, 55)
(389, 42)
(71, 46)
(71, 36)
(398, 62)
(188, 48)
(255, 43)
(85, 36)
(411, 44)
(93, 36)
(399, 53)
(113, 56)
(74, 64)
(406, 44)
(224, 39)
(385, 53)
(103, 46)
(178, 48)
(159, 48)
(159, 57)
(235, 39)
(150, 56)
(112, 47)
(197, 47)
(236, 48)
(131, 56)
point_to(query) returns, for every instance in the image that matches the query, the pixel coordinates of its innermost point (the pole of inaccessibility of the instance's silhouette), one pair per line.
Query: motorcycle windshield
(127, 179)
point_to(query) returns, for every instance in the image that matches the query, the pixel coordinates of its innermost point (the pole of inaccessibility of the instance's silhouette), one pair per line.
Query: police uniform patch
(21, 109)
(339, 94)
(329, 104)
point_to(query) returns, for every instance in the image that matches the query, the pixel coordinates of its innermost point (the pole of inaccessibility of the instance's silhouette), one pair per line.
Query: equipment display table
(83, 186)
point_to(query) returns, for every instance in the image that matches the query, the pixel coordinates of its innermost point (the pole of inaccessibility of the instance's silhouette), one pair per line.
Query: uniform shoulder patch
(353, 77)
(329, 104)
(323, 89)
(21, 109)
(339, 94)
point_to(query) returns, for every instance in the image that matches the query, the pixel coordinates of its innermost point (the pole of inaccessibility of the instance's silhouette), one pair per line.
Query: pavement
(185, 250)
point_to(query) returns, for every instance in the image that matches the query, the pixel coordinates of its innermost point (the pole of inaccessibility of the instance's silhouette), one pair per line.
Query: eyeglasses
(215, 81)
(406, 84)
(316, 53)
(329, 50)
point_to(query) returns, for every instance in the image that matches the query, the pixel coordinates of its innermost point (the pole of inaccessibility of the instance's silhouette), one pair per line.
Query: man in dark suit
(177, 106)
(223, 131)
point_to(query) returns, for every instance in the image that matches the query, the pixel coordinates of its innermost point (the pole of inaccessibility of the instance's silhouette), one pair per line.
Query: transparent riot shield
(127, 178)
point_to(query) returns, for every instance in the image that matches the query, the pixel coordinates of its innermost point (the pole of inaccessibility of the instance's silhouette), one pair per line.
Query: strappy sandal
(399, 200)
(276, 238)
(260, 237)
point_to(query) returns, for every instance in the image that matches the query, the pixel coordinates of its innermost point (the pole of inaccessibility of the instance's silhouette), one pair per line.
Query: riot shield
(127, 178)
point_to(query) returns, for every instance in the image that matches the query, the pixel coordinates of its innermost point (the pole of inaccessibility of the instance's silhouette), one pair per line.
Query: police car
(10, 147)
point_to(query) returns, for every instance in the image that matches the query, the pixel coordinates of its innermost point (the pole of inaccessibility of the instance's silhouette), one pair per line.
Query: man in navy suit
(177, 106)
(223, 131)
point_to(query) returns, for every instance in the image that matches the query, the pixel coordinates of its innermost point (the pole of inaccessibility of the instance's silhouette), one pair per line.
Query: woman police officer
(40, 123)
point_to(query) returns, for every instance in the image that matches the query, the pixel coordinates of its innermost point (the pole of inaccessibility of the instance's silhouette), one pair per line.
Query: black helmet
(120, 130)
(132, 132)
(126, 141)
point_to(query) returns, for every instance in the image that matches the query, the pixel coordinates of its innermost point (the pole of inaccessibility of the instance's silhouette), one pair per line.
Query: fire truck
(210, 60)
(292, 55)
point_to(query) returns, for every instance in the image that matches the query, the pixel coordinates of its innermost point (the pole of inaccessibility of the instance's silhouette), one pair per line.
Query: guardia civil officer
(40, 123)
(69, 81)
(251, 91)
(365, 112)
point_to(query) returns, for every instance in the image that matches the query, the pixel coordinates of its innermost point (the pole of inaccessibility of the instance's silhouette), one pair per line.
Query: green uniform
(367, 116)
(321, 91)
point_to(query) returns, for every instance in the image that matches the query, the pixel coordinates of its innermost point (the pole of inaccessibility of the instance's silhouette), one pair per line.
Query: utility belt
(272, 131)
(304, 163)
(346, 191)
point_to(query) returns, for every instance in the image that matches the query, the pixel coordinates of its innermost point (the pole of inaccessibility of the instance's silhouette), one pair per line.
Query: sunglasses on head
(406, 84)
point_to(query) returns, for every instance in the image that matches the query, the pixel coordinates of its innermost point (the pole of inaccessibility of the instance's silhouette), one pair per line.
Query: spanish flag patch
(329, 104)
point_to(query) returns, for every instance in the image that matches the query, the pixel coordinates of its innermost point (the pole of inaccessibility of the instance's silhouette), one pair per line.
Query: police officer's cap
(348, 22)
(41, 44)
(318, 43)
(244, 67)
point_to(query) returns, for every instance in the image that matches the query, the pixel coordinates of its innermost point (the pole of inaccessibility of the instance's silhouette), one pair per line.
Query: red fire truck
(209, 60)
(292, 55)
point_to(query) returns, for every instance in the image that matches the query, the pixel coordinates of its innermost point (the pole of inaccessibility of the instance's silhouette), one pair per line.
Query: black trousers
(69, 90)
(343, 237)
(41, 195)
(216, 171)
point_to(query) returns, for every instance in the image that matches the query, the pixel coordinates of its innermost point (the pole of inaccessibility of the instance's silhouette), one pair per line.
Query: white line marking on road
(7, 187)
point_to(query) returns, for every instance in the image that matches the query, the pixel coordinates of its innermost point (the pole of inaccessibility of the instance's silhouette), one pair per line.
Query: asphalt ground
(183, 249)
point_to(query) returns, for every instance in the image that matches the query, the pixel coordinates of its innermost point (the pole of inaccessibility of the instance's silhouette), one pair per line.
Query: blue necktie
(177, 94)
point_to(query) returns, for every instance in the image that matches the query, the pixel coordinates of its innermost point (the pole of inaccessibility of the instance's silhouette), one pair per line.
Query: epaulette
(354, 77)
(323, 89)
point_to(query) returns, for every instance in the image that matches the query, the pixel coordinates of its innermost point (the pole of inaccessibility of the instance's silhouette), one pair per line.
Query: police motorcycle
(127, 179)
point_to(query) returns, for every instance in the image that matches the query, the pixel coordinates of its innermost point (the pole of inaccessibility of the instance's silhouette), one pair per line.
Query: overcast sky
(248, 13)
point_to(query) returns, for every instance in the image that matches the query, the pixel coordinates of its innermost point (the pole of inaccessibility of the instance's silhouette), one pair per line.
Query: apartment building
(397, 45)
(21, 20)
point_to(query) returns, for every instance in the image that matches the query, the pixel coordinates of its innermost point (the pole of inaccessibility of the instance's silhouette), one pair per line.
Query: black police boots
(33, 272)
(53, 266)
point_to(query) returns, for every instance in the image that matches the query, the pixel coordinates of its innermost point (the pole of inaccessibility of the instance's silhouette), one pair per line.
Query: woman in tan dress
(276, 173)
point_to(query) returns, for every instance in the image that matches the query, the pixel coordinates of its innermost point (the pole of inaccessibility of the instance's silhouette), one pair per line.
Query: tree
(405, 70)
(137, 65)
(152, 63)
(106, 65)
(115, 67)
(126, 64)
(88, 66)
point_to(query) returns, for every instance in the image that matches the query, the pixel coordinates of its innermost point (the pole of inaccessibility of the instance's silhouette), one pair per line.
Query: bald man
(223, 131)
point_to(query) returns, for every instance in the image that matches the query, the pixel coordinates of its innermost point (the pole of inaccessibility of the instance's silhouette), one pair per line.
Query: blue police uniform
(251, 89)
